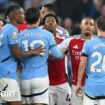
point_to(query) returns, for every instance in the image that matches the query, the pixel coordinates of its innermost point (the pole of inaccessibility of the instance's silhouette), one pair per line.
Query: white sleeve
(64, 45)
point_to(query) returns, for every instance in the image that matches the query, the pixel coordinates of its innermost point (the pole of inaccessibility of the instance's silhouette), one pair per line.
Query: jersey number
(28, 46)
(68, 98)
(100, 59)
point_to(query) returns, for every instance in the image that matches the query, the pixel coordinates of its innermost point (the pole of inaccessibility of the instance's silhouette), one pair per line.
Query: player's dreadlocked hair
(101, 23)
(32, 15)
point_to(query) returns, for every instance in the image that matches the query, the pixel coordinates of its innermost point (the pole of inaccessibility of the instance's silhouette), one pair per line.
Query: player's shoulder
(62, 31)
(90, 42)
(93, 39)
(10, 27)
(38, 30)
(74, 37)
(45, 32)
(61, 28)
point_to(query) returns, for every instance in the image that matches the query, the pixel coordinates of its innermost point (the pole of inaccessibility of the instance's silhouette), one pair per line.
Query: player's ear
(80, 26)
(16, 16)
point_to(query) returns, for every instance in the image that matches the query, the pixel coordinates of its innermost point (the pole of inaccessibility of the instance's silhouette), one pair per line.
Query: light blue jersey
(95, 68)
(8, 38)
(36, 66)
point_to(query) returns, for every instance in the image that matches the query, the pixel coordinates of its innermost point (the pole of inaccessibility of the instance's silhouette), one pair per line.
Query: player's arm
(82, 66)
(64, 45)
(81, 71)
(19, 54)
(55, 51)
(53, 48)
(65, 31)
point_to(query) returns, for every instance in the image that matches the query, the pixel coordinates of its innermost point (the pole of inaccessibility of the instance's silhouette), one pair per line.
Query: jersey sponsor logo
(76, 54)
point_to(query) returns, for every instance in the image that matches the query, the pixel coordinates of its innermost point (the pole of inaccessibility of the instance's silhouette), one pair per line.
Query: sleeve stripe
(83, 54)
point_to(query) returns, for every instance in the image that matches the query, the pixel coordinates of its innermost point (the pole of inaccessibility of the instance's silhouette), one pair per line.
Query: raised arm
(64, 45)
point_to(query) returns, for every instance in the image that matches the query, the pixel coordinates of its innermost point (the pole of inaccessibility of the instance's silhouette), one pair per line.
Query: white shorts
(88, 101)
(10, 90)
(60, 94)
(75, 100)
(35, 90)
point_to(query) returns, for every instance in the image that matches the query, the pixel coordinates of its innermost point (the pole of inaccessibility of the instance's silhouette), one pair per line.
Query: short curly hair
(48, 16)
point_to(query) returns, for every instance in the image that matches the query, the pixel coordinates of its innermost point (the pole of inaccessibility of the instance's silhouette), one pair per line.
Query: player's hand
(39, 51)
(20, 67)
(79, 89)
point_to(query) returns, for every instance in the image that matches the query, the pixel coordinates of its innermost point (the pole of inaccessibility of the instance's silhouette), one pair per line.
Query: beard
(87, 33)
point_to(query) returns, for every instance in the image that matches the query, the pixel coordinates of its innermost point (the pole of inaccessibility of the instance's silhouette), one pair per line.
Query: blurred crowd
(70, 12)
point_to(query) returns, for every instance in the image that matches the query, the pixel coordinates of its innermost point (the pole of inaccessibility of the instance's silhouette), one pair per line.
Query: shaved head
(88, 18)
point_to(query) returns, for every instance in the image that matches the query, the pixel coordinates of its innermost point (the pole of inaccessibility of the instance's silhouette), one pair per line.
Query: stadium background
(70, 12)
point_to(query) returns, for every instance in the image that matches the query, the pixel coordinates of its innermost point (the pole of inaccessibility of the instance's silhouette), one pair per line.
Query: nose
(50, 23)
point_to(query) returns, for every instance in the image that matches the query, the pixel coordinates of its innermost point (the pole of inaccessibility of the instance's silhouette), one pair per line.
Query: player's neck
(32, 25)
(54, 33)
(13, 23)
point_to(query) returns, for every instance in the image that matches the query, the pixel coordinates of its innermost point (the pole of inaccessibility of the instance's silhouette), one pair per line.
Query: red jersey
(75, 48)
(56, 69)
(21, 27)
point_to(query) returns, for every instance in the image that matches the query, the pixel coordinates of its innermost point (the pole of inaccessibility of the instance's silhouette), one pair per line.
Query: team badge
(15, 35)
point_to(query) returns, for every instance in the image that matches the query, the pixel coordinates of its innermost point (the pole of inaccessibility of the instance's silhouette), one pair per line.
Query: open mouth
(88, 30)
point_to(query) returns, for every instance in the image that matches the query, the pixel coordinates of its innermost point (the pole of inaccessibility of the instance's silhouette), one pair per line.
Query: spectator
(68, 24)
